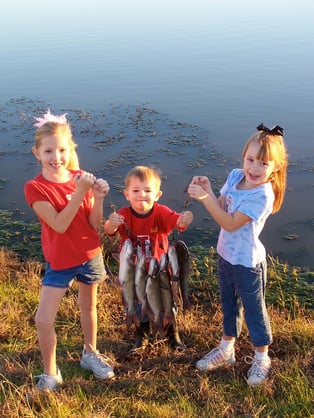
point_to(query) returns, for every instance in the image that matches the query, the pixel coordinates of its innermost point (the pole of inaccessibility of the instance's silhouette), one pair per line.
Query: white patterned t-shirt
(243, 245)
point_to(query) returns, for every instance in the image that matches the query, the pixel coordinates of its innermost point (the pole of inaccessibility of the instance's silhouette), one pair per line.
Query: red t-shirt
(154, 226)
(80, 242)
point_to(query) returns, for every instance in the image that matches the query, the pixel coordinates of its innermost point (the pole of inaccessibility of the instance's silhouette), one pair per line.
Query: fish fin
(132, 318)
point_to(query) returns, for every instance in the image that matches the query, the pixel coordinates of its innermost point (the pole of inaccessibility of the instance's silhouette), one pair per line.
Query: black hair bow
(275, 130)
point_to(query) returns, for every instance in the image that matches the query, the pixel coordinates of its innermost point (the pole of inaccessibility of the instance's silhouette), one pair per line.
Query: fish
(127, 282)
(173, 262)
(174, 269)
(153, 294)
(183, 256)
(140, 282)
(166, 292)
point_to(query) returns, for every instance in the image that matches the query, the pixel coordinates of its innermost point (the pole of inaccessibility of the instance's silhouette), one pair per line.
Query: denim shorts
(242, 290)
(93, 271)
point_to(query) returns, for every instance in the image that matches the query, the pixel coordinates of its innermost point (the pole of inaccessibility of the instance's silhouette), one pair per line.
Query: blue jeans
(243, 289)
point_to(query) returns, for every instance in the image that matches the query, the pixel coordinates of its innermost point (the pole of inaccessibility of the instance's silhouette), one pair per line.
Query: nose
(56, 155)
(255, 165)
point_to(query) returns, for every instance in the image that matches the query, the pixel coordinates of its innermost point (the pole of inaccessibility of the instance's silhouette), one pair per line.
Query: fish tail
(158, 328)
(132, 318)
(169, 319)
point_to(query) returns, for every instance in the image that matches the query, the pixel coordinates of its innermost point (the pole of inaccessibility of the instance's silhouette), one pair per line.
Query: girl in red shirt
(69, 205)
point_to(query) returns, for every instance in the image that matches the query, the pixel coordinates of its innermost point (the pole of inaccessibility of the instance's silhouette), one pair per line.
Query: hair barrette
(49, 117)
(275, 130)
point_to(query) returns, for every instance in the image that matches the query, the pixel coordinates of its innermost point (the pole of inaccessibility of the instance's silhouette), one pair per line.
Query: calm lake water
(196, 69)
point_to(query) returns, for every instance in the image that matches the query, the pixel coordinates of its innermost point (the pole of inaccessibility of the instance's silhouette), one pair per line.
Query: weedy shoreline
(161, 383)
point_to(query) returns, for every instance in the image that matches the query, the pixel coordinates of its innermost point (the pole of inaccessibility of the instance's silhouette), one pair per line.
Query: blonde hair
(55, 128)
(272, 148)
(144, 173)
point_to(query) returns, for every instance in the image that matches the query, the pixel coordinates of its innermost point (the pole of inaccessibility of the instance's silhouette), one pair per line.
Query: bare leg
(88, 306)
(228, 338)
(50, 298)
(262, 349)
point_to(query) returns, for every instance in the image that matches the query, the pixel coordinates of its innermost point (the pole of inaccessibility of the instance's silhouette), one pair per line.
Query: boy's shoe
(216, 358)
(258, 372)
(98, 364)
(49, 382)
(141, 340)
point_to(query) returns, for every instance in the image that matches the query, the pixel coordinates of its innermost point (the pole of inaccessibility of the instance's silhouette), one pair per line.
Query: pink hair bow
(49, 117)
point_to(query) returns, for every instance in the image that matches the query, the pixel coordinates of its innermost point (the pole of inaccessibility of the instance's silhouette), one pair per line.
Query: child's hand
(199, 188)
(115, 220)
(202, 181)
(84, 180)
(184, 220)
(100, 188)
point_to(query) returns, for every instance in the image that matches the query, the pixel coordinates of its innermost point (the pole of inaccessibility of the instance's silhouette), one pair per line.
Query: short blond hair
(144, 173)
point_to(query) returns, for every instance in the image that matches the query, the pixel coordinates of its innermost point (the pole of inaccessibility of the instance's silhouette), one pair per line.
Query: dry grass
(161, 383)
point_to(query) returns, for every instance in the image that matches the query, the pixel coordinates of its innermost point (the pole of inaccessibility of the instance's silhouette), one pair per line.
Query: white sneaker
(98, 364)
(216, 358)
(49, 382)
(259, 371)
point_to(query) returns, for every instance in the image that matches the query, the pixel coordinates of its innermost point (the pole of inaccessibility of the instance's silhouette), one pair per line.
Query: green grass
(162, 383)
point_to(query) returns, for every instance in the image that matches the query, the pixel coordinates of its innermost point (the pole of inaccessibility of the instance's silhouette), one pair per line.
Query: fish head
(153, 268)
(141, 260)
(127, 250)
(163, 262)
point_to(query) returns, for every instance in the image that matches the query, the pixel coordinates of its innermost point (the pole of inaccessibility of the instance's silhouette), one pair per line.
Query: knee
(43, 323)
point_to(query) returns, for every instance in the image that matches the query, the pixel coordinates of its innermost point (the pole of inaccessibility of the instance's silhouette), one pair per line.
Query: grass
(161, 383)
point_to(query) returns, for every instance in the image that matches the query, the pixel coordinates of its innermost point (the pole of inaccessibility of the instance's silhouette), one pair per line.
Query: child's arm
(112, 223)
(200, 189)
(60, 221)
(100, 190)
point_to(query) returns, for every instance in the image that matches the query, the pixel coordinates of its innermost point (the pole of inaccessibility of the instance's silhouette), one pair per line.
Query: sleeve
(34, 192)
(234, 177)
(256, 205)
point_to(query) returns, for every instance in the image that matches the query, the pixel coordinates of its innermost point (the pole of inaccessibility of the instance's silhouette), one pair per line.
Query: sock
(226, 345)
(261, 356)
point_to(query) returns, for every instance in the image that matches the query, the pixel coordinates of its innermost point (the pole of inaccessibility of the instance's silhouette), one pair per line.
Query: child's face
(256, 171)
(54, 154)
(142, 194)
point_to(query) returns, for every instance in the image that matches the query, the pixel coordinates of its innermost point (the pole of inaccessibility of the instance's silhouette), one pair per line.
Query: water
(222, 67)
